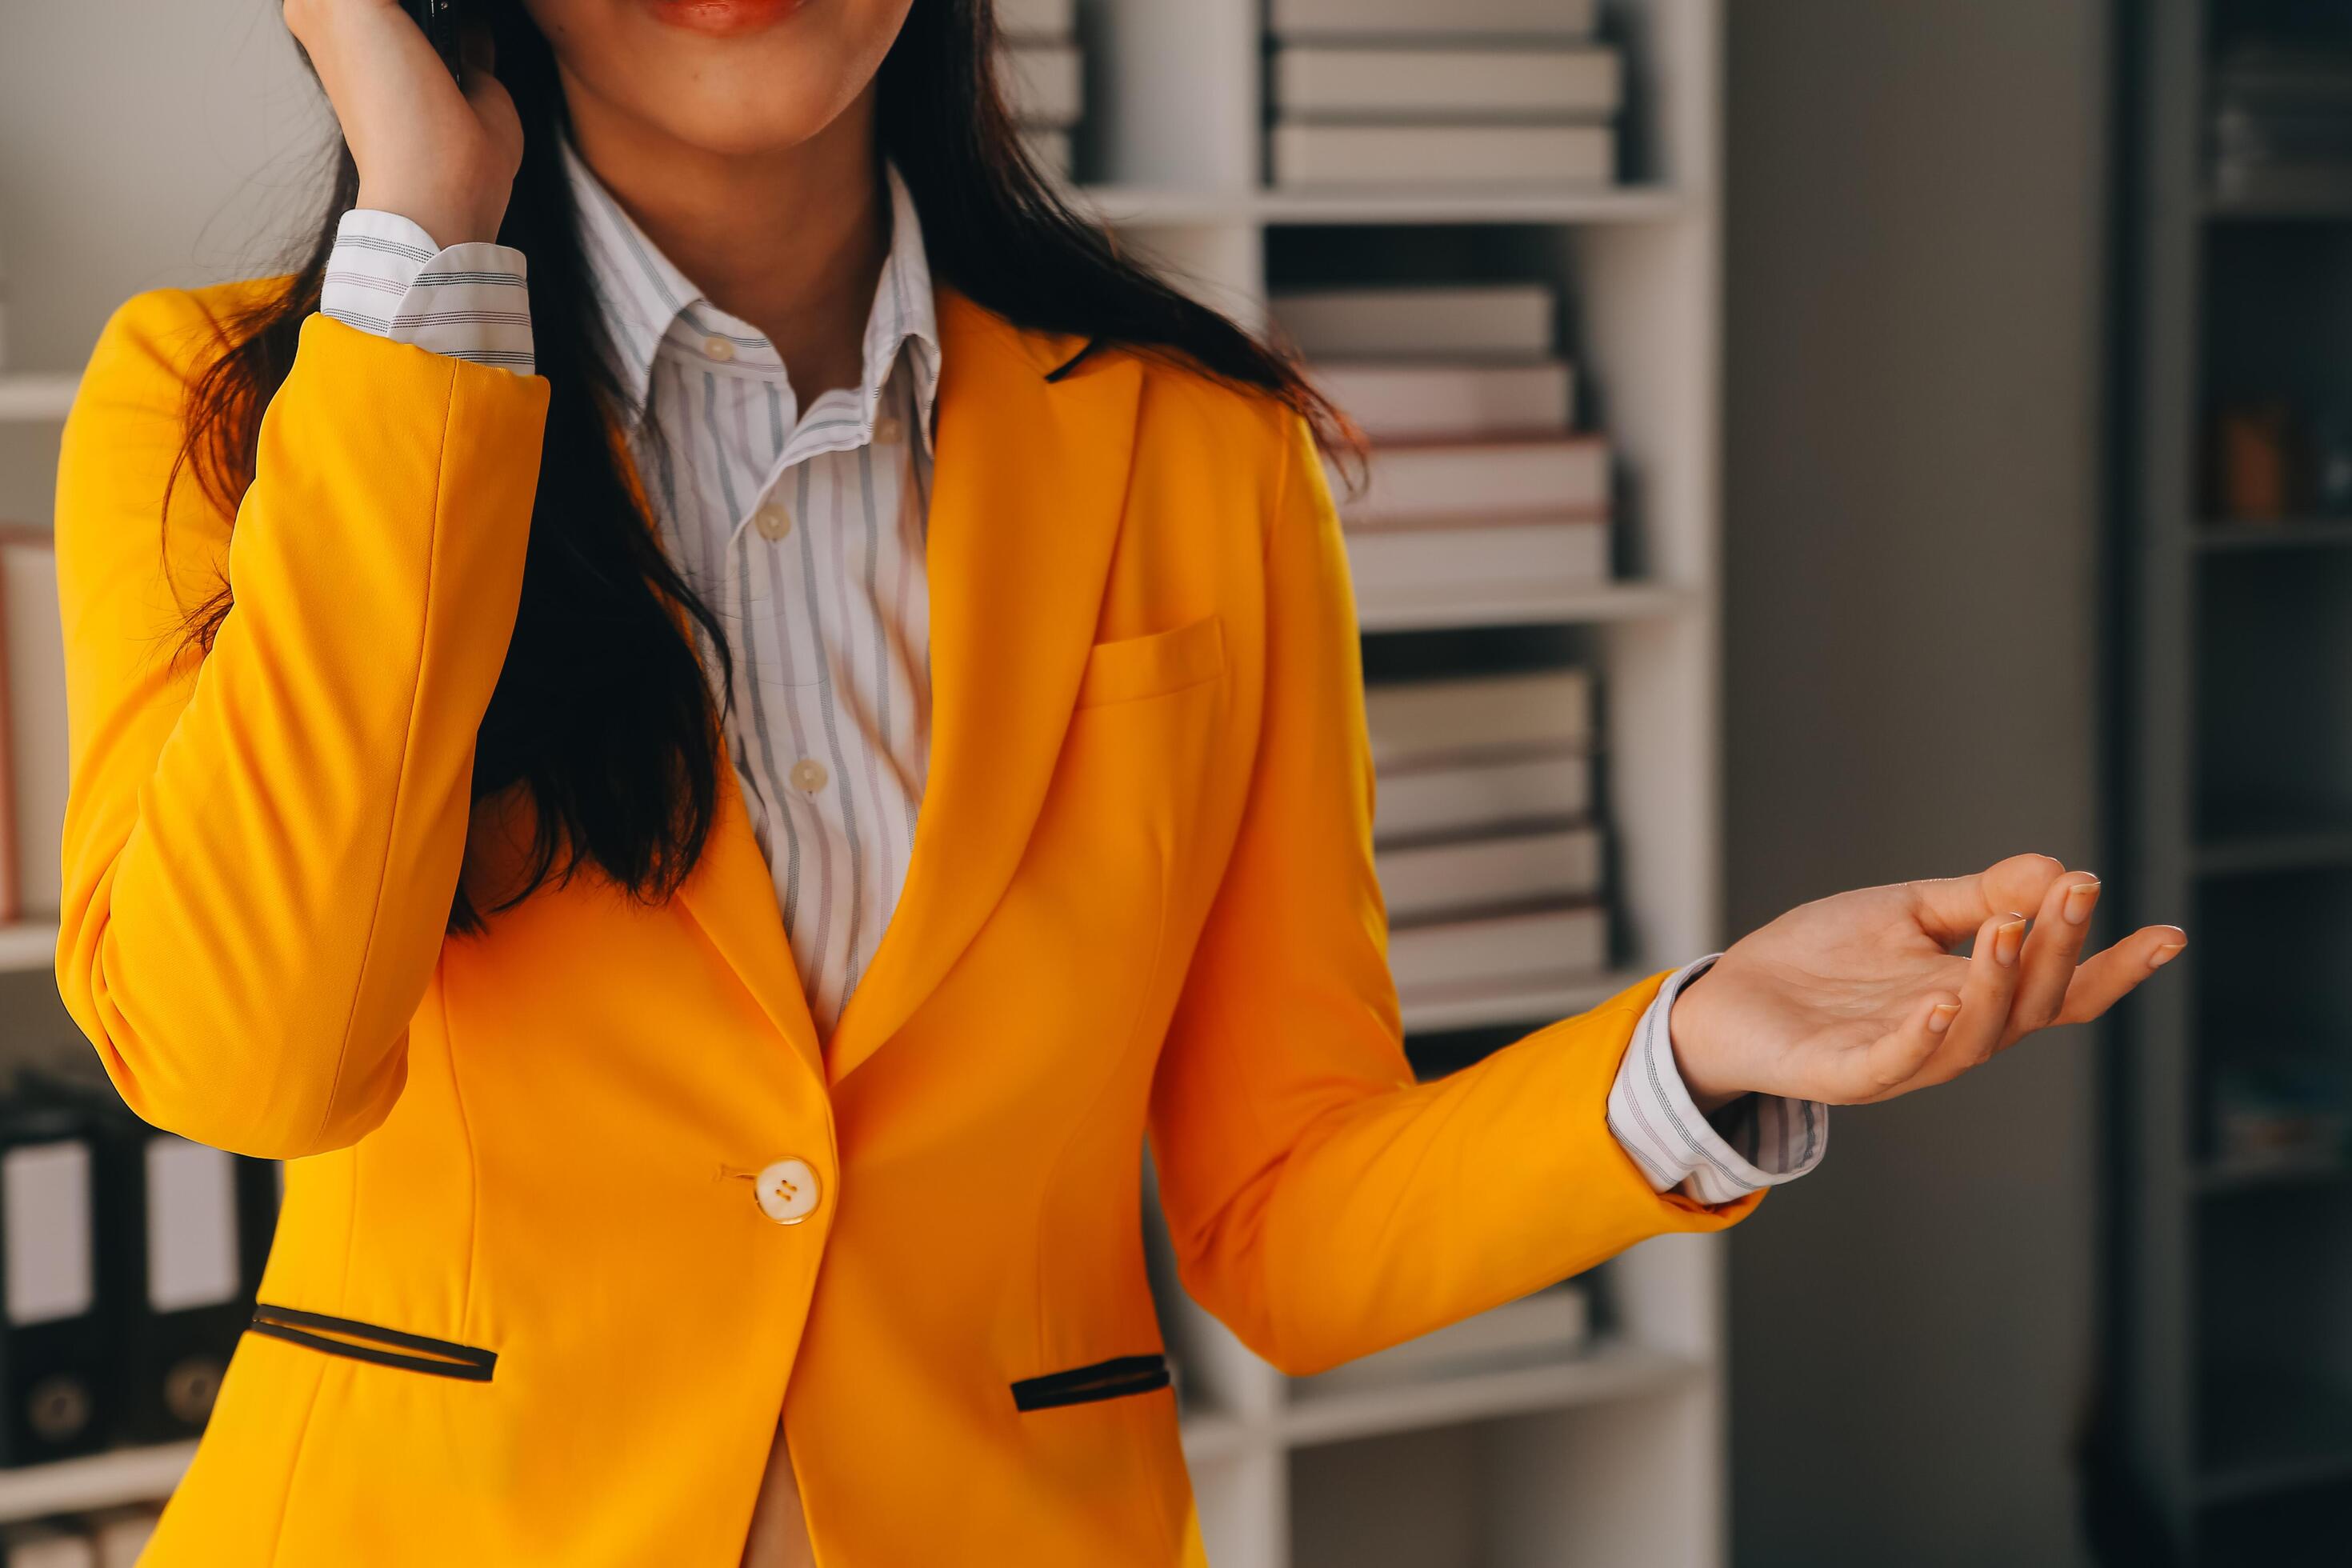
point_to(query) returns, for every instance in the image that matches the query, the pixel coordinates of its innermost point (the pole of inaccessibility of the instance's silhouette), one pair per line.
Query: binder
(189, 1300)
(54, 1287)
(182, 1233)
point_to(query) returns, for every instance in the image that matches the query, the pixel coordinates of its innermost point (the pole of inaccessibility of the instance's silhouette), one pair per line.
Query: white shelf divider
(102, 1480)
(36, 399)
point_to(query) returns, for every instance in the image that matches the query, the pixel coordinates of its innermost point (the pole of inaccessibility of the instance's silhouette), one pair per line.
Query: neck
(793, 241)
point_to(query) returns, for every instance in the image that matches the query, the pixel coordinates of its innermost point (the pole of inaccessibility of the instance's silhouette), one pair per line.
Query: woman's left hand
(1858, 998)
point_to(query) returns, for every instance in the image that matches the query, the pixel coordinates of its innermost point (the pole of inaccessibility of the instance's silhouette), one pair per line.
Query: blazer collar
(1035, 439)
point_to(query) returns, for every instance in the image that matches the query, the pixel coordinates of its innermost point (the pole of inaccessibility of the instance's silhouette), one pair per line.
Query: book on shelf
(1451, 155)
(1465, 797)
(1044, 83)
(1559, 477)
(1424, 881)
(1553, 1324)
(1398, 400)
(1448, 959)
(1424, 723)
(46, 1543)
(1029, 20)
(1552, 19)
(1509, 322)
(33, 768)
(1392, 83)
(1406, 567)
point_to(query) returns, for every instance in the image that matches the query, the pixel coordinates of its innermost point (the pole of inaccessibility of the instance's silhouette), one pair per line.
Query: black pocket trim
(1113, 1379)
(442, 1358)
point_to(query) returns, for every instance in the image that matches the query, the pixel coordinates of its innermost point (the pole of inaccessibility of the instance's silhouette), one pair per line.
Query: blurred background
(1818, 442)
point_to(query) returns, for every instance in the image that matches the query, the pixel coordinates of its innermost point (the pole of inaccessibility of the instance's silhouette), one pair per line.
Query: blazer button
(787, 1190)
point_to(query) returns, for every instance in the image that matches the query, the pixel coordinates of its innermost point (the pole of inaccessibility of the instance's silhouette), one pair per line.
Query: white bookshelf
(1616, 1456)
(99, 1481)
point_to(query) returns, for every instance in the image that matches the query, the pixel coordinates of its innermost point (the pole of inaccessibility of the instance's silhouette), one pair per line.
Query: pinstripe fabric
(1756, 1141)
(385, 275)
(804, 528)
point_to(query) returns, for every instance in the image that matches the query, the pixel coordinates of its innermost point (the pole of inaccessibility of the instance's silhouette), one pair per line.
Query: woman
(706, 799)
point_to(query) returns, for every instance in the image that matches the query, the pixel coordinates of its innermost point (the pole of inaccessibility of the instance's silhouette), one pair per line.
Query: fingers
(2105, 978)
(2060, 925)
(1986, 995)
(1893, 1061)
(1951, 908)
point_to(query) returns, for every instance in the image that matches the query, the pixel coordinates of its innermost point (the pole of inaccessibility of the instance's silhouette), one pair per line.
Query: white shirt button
(718, 349)
(890, 429)
(787, 1190)
(772, 521)
(808, 774)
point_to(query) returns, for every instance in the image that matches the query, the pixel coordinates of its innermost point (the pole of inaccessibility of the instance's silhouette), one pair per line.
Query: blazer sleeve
(262, 844)
(1322, 1203)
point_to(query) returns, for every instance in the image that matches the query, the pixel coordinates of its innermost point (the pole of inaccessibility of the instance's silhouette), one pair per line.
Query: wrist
(447, 222)
(1691, 1033)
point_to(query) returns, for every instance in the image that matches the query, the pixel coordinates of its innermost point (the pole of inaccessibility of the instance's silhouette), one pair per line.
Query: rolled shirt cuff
(1756, 1141)
(385, 275)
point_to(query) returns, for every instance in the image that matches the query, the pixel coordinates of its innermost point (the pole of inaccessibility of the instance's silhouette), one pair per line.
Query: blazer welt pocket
(1134, 668)
(373, 1343)
(1113, 1379)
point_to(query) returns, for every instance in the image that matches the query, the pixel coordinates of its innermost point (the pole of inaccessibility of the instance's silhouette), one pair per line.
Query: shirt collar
(645, 301)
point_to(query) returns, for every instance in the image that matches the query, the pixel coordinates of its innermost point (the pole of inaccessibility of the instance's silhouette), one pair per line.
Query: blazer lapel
(1029, 488)
(731, 894)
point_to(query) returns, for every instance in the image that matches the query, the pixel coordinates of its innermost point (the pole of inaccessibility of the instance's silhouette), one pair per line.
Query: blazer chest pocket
(374, 1344)
(1132, 669)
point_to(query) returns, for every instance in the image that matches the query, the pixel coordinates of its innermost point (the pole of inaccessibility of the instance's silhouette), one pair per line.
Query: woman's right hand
(443, 159)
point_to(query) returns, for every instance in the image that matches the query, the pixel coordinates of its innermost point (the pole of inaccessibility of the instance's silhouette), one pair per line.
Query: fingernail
(2081, 900)
(2165, 954)
(1940, 1018)
(2008, 942)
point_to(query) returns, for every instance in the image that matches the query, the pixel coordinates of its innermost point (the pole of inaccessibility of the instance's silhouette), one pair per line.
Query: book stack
(1478, 484)
(2282, 123)
(1552, 1325)
(32, 724)
(106, 1538)
(1446, 92)
(1045, 76)
(1484, 836)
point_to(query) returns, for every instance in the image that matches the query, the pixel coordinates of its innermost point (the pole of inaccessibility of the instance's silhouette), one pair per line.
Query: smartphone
(440, 20)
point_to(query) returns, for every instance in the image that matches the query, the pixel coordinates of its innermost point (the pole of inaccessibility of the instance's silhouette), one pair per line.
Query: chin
(728, 76)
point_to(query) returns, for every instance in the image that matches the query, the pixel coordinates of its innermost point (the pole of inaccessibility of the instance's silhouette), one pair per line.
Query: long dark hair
(603, 712)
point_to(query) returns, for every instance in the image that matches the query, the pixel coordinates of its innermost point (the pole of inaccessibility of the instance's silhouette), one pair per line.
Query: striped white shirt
(803, 529)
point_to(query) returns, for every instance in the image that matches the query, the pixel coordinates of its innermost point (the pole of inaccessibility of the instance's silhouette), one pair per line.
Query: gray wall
(1915, 276)
(167, 182)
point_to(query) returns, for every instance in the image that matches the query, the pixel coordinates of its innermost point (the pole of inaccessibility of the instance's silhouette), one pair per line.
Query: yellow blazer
(527, 1303)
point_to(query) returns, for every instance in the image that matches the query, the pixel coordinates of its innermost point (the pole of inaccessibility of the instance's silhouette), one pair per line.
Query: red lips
(721, 17)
